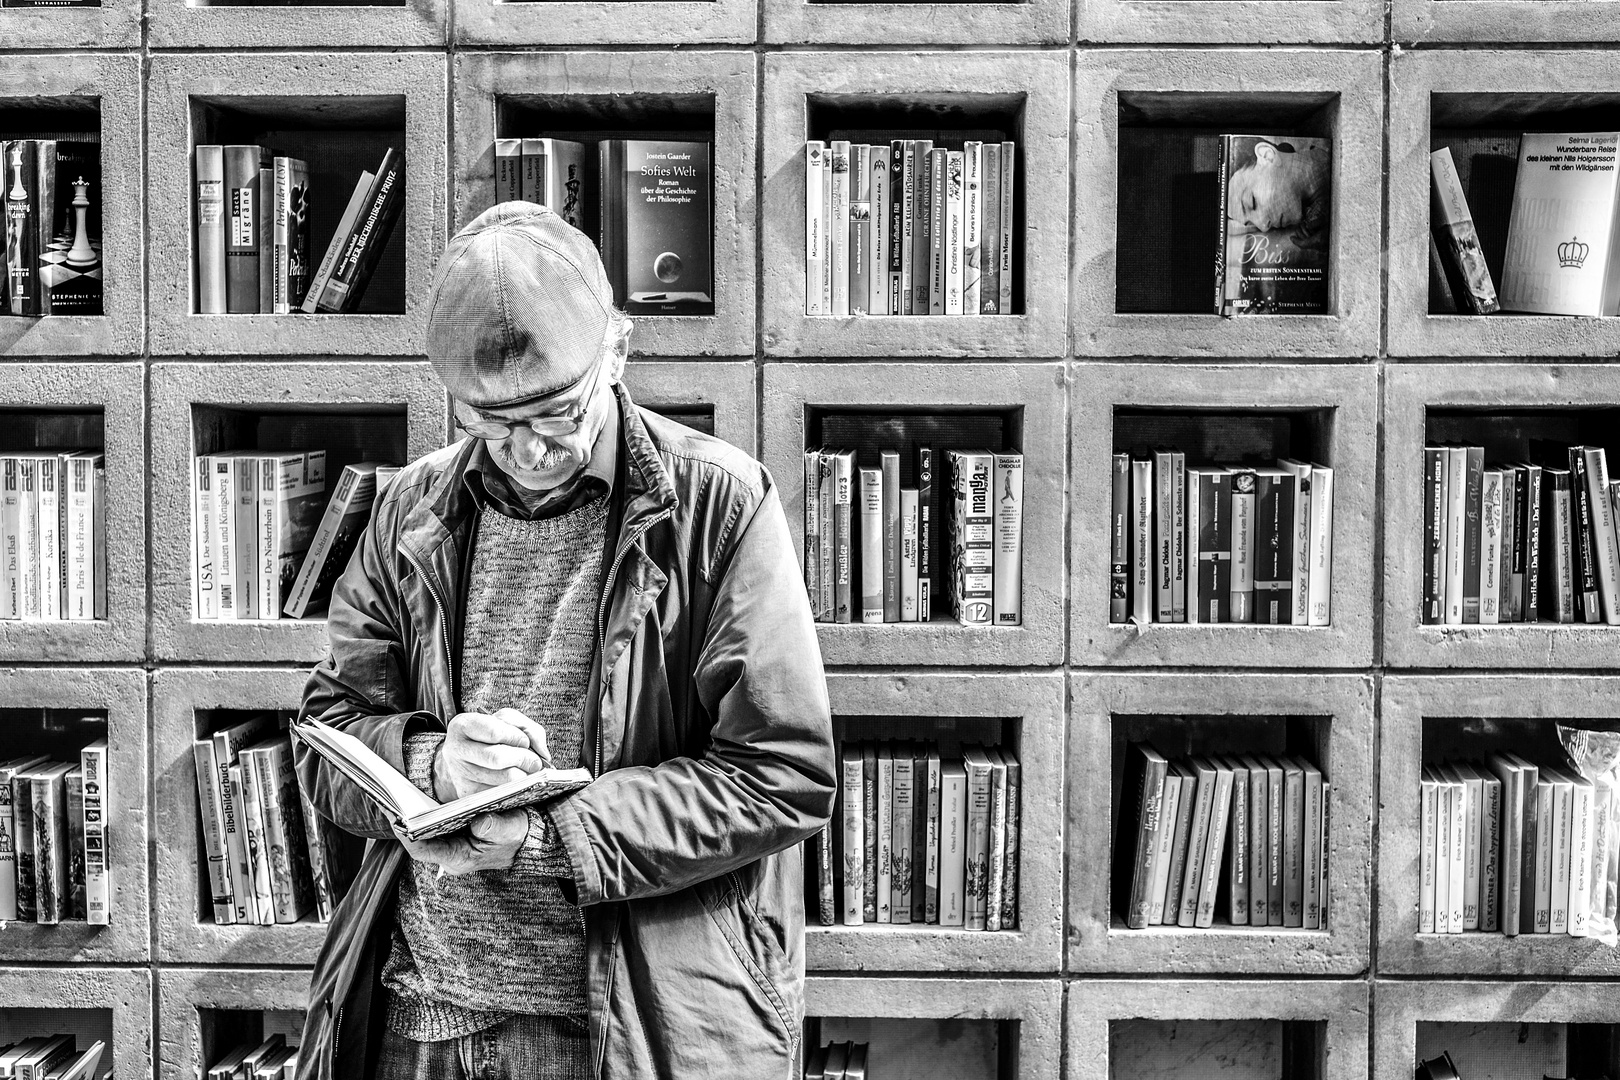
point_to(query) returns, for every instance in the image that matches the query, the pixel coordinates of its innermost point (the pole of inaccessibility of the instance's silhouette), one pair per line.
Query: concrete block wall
(451, 75)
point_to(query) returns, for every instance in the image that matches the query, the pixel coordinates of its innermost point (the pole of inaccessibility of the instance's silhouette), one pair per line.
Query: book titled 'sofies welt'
(1561, 257)
(1276, 194)
(656, 225)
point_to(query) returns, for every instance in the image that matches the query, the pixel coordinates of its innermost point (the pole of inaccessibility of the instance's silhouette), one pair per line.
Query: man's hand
(490, 842)
(483, 750)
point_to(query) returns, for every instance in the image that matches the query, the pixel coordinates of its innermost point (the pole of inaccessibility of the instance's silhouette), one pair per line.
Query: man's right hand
(485, 750)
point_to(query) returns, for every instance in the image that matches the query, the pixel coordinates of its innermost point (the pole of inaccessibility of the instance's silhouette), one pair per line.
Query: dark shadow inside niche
(1507, 433)
(921, 1048)
(1168, 230)
(87, 1026)
(349, 433)
(221, 1031)
(1226, 436)
(1474, 738)
(58, 429)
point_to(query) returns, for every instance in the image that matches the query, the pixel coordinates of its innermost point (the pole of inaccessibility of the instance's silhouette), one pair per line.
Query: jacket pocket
(753, 944)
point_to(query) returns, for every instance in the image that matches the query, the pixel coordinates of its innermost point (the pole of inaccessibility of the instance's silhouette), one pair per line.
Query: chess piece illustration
(81, 253)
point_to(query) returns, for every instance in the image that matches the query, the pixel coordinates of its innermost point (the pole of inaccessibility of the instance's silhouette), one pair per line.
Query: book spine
(1221, 203)
(1558, 921)
(1545, 839)
(1490, 539)
(933, 841)
(900, 837)
(1532, 540)
(1313, 850)
(908, 555)
(871, 545)
(1145, 788)
(245, 534)
(234, 830)
(354, 268)
(1444, 856)
(1529, 834)
(1434, 534)
(812, 532)
(1176, 873)
(919, 833)
(972, 222)
(1240, 601)
(973, 538)
(952, 845)
(281, 239)
(1580, 859)
(1602, 900)
(1455, 224)
(1141, 580)
(838, 235)
(252, 811)
(1604, 552)
(268, 528)
(1259, 800)
(1009, 156)
(224, 545)
(1507, 600)
(883, 837)
(1293, 847)
(1520, 561)
(1319, 589)
(898, 300)
(977, 866)
(869, 805)
(242, 208)
(1214, 847)
(44, 221)
(50, 850)
(1009, 878)
(890, 460)
(1584, 565)
(843, 505)
(532, 174)
(1456, 530)
(98, 520)
(205, 574)
(1178, 537)
(1300, 581)
(1562, 579)
(925, 532)
(97, 781)
(210, 811)
(8, 846)
(990, 231)
(1119, 543)
(336, 246)
(860, 228)
(1472, 808)
(815, 238)
(1274, 503)
(1490, 855)
(264, 227)
(28, 534)
(284, 894)
(50, 538)
(1428, 846)
(1164, 848)
(337, 508)
(1197, 846)
(922, 234)
(22, 835)
(1471, 550)
(320, 870)
(828, 583)
(22, 206)
(996, 852)
(73, 792)
(10, 540)
(939, 240)
(1237, 851)
(877, 275)
(1163, 534)
(77, 537)
(1008, 586)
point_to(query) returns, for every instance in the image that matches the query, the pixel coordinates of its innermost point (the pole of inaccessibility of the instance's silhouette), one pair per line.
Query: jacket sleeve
(361, 687)
(767, 779)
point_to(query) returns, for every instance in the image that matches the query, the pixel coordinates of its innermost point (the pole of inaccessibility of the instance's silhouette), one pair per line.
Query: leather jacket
(709, 737)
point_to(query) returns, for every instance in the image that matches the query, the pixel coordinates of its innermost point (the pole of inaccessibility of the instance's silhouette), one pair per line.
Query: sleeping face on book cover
(1276, 243)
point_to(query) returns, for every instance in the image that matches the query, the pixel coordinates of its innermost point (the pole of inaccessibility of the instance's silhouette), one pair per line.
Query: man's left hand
(490, 842)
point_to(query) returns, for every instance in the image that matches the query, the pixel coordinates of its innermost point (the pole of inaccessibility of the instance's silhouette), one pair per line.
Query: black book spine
(354, 268)
(1586, 586)
(1434, 531)
(1532, 551)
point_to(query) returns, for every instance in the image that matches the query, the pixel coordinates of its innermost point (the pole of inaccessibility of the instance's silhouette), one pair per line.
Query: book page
(354, 759)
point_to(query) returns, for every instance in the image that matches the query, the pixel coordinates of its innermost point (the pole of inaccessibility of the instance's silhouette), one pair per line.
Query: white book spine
(280, 238)
(1320, 587)
(258, 851)
(1170, 804)
(931, 839)
(1009, 551)
(952, 845)
(1604, 549)
(953, 232)
(246, 535)
(1472, 809)
(1457, 864)
(1142, 592)
(1558, 921)
(1490, 541)
(48, 479)
(1580, 862)
(885, 835)
(838, 234)
(78, 536)
(267, 528)
(854, 835)
(908, 555)
(234, 827)
(8, 852)
(1428, 847)
(877, 300)
(871, 545)
(97, 852)
(1544, 846)
(972, 222)
(205, 573)
(1442, 857)
(28, 534)
(1456, 518)
(996, 855)
(10, 540)
(224, 496)
(209, 810)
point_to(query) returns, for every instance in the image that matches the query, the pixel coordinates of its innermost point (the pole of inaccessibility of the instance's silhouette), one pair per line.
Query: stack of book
(1513, 846)
(51, 193)
(52, 1057)
(1219, 544)
(837, 1061)
(921, 838)
(885, 554)
(1520, 542)
(252, 233)
(271, 1059)
(909, 228)
(1239, 835)
(53, 839)
(53, 535)
(653, 208)
(269, 858)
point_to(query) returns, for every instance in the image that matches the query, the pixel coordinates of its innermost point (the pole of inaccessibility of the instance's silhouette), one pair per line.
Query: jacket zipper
(444, 622)
(601, 618)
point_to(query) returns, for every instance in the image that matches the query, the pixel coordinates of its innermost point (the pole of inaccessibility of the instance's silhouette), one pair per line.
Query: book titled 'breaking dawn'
(656, 225)
(1273, 256)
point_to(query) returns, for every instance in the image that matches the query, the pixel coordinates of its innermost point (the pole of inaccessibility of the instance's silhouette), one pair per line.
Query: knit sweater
(470, 951)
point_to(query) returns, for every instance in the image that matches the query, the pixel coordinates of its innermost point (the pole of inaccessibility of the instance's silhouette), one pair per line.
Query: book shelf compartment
(978, 1049)
(205, 1012)
(694, 391)
(1328, 414)
(355, 411)
(1517, 1028)
(97, 96)
(1016, 96)
(393, 99)
(58, 712)
(1326, 717)
(1021, 711)
(965, 22)
(698, 95)
(1478, 102)
(1141, 114)
(345, 23)
(799, 400)
(112, 1004)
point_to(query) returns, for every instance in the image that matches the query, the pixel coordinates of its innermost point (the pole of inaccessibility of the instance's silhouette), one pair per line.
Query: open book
(418, 816)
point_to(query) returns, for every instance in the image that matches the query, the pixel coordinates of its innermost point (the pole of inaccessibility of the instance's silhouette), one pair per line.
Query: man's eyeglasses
(551, 424)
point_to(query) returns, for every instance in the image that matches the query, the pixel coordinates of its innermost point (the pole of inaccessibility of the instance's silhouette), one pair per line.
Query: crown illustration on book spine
(1572, 253)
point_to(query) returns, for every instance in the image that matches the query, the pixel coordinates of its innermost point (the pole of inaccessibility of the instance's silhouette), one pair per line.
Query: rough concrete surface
(115, 80)
(1352, 330)
(727, 386)
(175, 79)
(1341, 949)
(1412, 390)
(118, 390)
(175, 388)
(1240, 21)
(121, 694)
(1427, 22)
(483, 79)
(115, 24)
(179, 24)
(576, 22)
(1407, 700)
(1030, 22)
(185, 995)
(1036, 703)
(1039, 79)
(126, 992)
(1038, 388)
(1350, 390)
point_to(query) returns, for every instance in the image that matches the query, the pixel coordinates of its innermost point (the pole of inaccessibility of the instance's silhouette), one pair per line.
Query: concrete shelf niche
(1223, 413)
(1428, 719)
(355, 411)
(984, 1028)
(1146, 131)
(1020, 712)
(716, 398)
(59, 712)
(1234, 22)
(340, 114)
(1522, 1028)
(88, 406)
(111, 1004)
(191, 24)
(868, 407)
(205, 1012)
(946, 97)
(1328, 718)
(1502, 407)
(1180, 1030)
(590, 96)
(94, 96)
(1478, 103)
(192, 704)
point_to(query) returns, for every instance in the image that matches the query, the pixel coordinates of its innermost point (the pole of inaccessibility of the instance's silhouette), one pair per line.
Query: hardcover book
(335, 538)
(871, 495)
(244, 203)
(70, 265)
(290, 235)
(972, 537)
(21, 198)
(1456, 238)
(656, 226)
(352, 271)
(1119, 540)
(1140, 822)
(1008, 584)
(1560, 257)
(1275, 194)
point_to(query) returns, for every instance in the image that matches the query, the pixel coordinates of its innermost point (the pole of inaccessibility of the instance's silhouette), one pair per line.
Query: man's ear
(1265, 152)
(620, 347)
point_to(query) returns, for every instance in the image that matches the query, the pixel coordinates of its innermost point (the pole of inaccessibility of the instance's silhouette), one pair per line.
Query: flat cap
(519, 302)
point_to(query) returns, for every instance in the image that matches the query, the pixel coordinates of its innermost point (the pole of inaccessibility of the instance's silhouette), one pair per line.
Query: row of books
(837, 1061)
(1262, 818)
(52, 1057)
(920, 838)
(885, 554)
(53, 538)
(271, 1059)
(53, 839)
(1219, 544)
(1520, 542)
(908, 228)
(261, 544)
(52, 202)
(653, 209)
(267, 850)
(1514, 846)
(253, 241)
